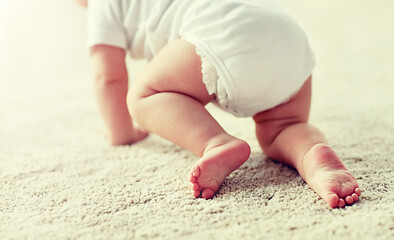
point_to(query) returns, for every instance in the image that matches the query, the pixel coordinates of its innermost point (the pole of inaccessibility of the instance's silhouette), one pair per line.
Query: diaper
(212, 81)
(254, 56)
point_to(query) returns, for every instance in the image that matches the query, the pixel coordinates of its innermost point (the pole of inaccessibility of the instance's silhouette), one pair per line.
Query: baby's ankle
(222, 140)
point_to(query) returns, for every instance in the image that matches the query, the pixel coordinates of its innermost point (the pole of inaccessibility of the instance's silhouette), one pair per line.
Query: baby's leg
(285, 135)
(169, 98)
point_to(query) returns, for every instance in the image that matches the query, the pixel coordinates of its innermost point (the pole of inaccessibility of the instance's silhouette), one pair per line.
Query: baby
(249, 57)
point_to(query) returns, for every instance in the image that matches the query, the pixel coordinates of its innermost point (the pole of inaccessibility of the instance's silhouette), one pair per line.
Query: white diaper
(212, 81)
(254, 54)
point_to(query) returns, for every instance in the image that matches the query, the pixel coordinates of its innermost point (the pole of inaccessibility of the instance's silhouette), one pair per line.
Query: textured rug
(59, 179)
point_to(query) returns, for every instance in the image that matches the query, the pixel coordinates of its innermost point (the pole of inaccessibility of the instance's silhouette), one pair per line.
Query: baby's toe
(341, 203)
(195, 171)
(207, 193)
(357, 191)
(195, 187)
(349, 200)
(196, 194)
(192, 178)
(332, 199)
(355, 197)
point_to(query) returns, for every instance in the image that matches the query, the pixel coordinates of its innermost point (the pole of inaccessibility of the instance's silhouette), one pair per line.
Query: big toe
(332, 200)
(207, 193)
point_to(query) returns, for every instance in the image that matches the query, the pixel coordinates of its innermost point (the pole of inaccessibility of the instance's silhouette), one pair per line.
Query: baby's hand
(135, 135)
(83, 3)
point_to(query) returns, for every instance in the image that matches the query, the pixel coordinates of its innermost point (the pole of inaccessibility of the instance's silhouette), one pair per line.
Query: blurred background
(42, 49)
(41, 37)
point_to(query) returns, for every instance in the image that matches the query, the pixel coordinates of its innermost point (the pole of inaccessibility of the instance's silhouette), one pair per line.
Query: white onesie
(255, 55)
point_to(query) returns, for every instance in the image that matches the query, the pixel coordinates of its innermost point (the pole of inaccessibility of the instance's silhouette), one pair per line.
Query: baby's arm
(111, 87)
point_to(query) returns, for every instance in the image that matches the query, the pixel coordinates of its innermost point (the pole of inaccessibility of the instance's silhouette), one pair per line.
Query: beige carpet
(60, 180)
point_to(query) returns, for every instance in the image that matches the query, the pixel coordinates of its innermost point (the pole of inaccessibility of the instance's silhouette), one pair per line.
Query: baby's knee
(131, 100)
(135, 96)
(270, 123)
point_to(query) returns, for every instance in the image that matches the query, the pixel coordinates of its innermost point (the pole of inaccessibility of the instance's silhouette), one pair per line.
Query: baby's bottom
(169, 99)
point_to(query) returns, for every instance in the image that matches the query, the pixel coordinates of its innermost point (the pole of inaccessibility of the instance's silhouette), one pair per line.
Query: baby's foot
(329, 178)
(210, 171)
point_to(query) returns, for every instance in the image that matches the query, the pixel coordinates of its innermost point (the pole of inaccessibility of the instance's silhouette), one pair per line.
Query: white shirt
(141, 26)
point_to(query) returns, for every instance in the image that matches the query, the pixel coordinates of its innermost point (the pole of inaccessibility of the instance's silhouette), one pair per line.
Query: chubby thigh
(176, 68)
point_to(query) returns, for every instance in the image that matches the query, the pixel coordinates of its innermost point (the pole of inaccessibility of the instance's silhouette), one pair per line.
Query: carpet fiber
(59, 179)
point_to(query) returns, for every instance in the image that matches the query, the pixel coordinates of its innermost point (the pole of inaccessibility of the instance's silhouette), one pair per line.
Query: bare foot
(217, 163)
(328, 177)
